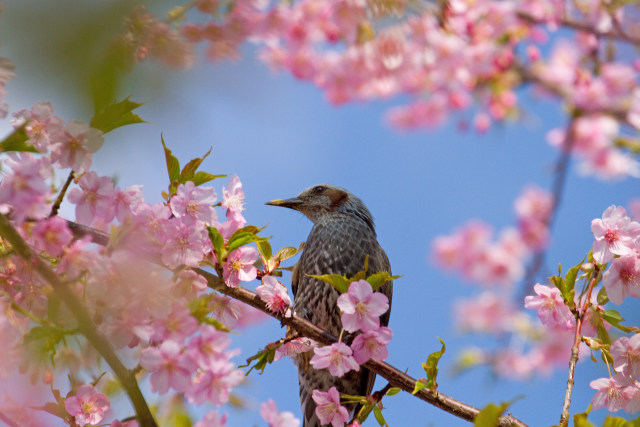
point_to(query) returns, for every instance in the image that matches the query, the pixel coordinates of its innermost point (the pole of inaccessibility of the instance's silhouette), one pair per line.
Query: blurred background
(280, 135)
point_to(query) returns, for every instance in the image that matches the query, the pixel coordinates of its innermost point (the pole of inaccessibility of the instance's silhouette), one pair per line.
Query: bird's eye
(318, 189)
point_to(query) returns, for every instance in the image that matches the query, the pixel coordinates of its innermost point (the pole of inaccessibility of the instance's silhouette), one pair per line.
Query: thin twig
(85, 324)
(56, 205)
(307, 329)
(564, 417)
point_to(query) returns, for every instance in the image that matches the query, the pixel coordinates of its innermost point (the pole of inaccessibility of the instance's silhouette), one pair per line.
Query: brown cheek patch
(337, 197)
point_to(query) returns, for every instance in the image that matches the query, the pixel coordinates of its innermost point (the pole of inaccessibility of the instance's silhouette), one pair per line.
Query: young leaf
(116, 115)
(420, 384)
(286, 253)
(17, 141)
(238, 240)
(337, 281)
(262, 358)
(189, 170)
(378, 279)
(217, 241)
(378, 414)
(173, 165)
(431, 366)
(489, 415)
(393, 391)
(200, 178)
(264, 247)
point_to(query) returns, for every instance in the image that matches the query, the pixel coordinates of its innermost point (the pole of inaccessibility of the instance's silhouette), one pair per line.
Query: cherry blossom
(169, 367)
(239, 266)
(176, 326)
(615, 234)
(208, 346)
(361, 307)
(337, 357)
(626, 355)
(94, 199)
(51, 235)
(328, 408)
(274, 294)
(295, 346)
(74, 149)
(622, 278)
(551, 308)
(87, 406)
(183, 245)
(214, 384)
(371, 344)
(192, 204)
(270, 414)
(42, 126)
(613, 393)
(233, 200)
(212, 419)
(24, 191)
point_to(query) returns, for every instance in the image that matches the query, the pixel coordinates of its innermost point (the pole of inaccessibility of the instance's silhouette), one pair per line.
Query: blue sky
(280, 136)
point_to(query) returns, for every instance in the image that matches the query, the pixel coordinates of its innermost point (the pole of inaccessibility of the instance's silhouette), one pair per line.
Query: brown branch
(564, 417)
(615, 33)
(85, 324)
(56, 205)
(305, 328)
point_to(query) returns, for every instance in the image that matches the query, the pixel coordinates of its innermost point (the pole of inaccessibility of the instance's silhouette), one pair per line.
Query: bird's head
(320, 200)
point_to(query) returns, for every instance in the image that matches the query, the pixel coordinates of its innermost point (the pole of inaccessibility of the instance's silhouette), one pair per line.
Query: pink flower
(295, 346)
(622, 278)
(74, 149)
(212, 419)
(270, 414)
(94, 199)
(184, 245)
(177, 326)
(361, 307)
(626, 355)
(534, 202)
(189, 283)
(615, 234)
(193, 204)
(52, 235)
(551, 308)
(488, 312)
(87, 406)
(239, 266)
(127, 199)
(215, 384)
(337, 357)
(42, 126)
(130, 423)
(225, 310)
(207, 347)
(328, 409)
(170, 367)
(233, 200)
(274, 294)
(612, 392)
(372, 345)
(24, 191)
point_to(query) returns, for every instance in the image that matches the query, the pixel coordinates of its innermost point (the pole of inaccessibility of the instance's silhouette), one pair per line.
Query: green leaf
(189, 171)
(264, 247)
(17, 141)
(431, 366)
(217, 241)
(393, 391)
(286, 253)
(262, 358)
(613, 317)
(378, 414)
(116, 115)
(173, 167)
(616, 422)
(378, 279)
(580, 420)
(603, 298)
(489, 415)
(420, 384)
(337, 281)
(238, 240)
(200, 178)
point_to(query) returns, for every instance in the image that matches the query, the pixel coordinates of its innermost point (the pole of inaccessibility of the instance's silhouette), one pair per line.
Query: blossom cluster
(140, 289)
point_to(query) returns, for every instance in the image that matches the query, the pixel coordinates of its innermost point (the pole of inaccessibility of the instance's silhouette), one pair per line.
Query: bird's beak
(293, 203)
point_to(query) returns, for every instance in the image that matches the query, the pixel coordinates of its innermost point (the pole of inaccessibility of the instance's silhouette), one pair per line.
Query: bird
(342, 237)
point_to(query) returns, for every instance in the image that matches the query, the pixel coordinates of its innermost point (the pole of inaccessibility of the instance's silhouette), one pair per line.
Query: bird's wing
(295, 278)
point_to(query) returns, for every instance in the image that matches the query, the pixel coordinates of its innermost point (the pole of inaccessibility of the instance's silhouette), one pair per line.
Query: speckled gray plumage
(342, 236)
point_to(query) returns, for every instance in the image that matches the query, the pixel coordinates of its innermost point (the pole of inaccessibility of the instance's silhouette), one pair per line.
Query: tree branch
(395, 377)
(85, 324)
